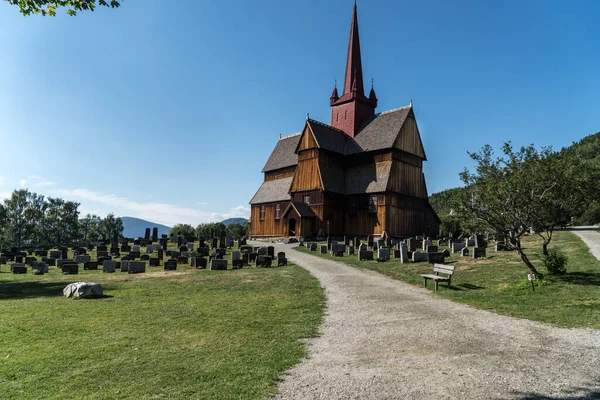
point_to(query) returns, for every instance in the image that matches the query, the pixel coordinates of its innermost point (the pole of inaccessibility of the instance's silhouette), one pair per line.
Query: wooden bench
(438, 269)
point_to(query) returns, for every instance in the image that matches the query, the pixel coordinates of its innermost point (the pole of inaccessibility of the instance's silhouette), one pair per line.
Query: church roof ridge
(289, 136)
(393, 110)
(328, 126)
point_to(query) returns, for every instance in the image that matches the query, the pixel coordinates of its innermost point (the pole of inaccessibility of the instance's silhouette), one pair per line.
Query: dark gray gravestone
(18, 268)
(170, 265)
(365, 255)
(125, 265)
(464, 252)
(370, 240)
(419, 257)
(109, 266)
(137, 267)
(457, 247)
(479, 252)
(125, 248)
(383, 253)
(264, 261)
(356, 242)
(350, 250)
(154, 235)
(154, 262)
(56, 254)
(313, 247)
(145, 257)
(39, 268)
(90, 265)
(431, 249)
(70, 268)
(182, 260)
(446, 253)
(201, 262)
(237, 264)
(30, 260)
(271, 251)
(403, 253)
(323, 249)
(82, 259)
(436, 258)
(218, 265)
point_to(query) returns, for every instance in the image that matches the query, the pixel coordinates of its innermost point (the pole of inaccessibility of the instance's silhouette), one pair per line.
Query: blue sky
(168, 110)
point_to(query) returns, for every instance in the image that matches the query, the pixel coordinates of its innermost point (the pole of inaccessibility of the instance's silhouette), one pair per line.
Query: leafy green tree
(522, 189)
(237, 231)
(88, 228)
(182, 229)
(110, 228)
(49, 7)
(23, 210)
(210, 230)
(61, 222)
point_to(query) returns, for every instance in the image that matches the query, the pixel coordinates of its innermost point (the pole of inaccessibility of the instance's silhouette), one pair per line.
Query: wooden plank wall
(307, 175)
(407, 179)
(363, 222)
(280, 173)
(269, 227)
(307, 141)
(409, 139)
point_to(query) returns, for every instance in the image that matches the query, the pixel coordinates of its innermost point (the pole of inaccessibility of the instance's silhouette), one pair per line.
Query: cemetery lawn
(186, 334)
(499, 282)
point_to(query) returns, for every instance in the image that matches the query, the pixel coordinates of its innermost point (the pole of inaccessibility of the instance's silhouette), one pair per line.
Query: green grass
(499, 282)
(189, 334)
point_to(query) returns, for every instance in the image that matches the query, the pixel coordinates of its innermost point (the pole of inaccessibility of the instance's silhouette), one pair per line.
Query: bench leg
(436, 285)
(425, 282)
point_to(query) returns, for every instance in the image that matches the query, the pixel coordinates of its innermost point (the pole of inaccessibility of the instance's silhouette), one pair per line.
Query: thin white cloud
(23, 183)
(39, 181)
(168, 214)
(4, 195)
(238, 212)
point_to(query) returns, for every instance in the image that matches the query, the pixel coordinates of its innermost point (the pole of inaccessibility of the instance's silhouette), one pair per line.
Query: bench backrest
(443, 269)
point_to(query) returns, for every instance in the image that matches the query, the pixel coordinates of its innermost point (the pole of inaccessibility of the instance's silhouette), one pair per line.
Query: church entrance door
(292, 227)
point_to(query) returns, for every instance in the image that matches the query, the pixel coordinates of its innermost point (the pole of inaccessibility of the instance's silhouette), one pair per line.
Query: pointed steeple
(372, 95)
(354, 72)
(334, 95)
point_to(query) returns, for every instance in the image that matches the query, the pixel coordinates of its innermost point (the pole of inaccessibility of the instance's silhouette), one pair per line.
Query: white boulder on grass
(83, 290)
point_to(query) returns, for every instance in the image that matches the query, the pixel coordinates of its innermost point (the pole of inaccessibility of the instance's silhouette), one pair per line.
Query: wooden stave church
(361, 175)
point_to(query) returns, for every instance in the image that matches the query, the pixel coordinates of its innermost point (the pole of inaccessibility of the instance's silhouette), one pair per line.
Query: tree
(88, 228)
(237, 231)
(523, 189)
(49, 7)
(23, 211)
(210, 230)
(110, 228)
(61, 222)
(182, 229)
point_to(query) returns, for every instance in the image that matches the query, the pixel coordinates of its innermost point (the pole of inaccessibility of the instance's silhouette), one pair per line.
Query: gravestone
(262, 251)
(190, 246)
(431, 249)
(500, 246)
(135, 254)
(470, 241)
(218, 265)
(246, 258)
(356, 242)
(18, 268)
(145, 257)
(271, 251)
(464, 251)
(313, 247)
(237, 264)
(125, 248)
(456, 247)
(480, 241)
(413, 244)
(109, 266)
(383, 253)
(347, 241)
(214, 243)
(90, 266)
(154, 262)
(436, 258)
(201, 262)
(446, 253)
(229, 243)
(125, 265)
(136, 267)
(323, 249)
(39, 268)
(149, 249)
(365, 255)
(222, 244)
(102, 254)
(350, 250)
(479, 252)
(82, 259)
(204, 251)
(182, 260)
(64, 253)
(154, 235)
(281, 259)
(185, 254)
(183, 248)
(102, 248)
(147, 234)
(56, 254)
(265, 261)
(370, 241)
(51, 262)
(419, 257)
(3, 260)
(441, 242)
(403, 253)
(30, 260)
(170, 265)
(70, 268)
(236, 255)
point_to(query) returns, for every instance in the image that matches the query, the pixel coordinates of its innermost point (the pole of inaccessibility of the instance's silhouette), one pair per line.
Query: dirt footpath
(383, 339)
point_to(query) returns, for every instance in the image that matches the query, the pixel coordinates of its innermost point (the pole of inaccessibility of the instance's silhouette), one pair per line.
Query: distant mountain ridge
(230, 221)
(136, 227)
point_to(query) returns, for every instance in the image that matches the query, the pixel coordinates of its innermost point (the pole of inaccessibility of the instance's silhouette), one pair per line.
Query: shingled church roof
(379, 132)
(272, 191)
(284, 155)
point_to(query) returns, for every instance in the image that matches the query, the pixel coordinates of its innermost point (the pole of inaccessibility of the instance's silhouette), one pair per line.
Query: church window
(277, 211)
(346, 114)
(262, 213)
(337, 118)
(306, 199)
(373, 204)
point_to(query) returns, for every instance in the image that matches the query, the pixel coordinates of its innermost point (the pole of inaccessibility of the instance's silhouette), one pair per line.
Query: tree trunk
(527, 262)
(545, 248)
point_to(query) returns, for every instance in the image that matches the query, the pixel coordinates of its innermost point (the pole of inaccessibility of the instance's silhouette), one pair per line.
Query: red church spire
(349, 111)
(354, 72)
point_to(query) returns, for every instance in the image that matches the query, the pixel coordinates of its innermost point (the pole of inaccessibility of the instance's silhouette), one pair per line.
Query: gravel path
(383, 339)
(590, 236)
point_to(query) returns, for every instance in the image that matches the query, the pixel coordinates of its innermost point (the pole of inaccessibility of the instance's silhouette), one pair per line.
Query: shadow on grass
(577, 278)
(26, 290)
(587, 392)
(471, 287)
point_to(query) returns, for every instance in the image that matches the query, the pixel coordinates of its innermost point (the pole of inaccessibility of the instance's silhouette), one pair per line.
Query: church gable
(307, 139)
(409, 139)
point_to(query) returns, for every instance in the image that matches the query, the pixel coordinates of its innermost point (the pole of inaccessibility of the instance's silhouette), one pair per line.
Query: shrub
(556, 261)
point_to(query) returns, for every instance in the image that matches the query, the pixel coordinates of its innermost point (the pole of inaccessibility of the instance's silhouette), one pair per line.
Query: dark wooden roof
(371, 178)
(272, 191)
(303, 210)
(380, 132)
(328, 137)
(284, 155)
